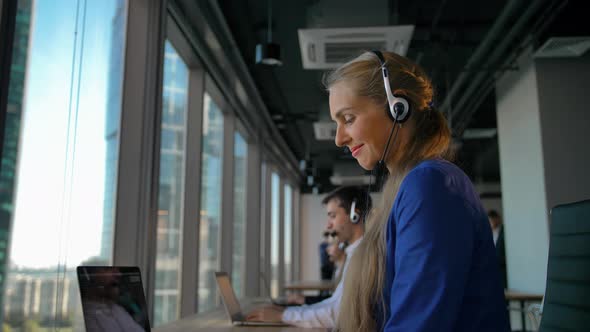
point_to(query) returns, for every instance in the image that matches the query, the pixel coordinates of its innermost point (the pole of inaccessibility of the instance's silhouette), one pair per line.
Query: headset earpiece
(354, 216)
(398, 107)
(400, 110)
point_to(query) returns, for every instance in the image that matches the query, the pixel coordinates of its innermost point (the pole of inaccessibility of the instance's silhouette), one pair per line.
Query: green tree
(31, 326)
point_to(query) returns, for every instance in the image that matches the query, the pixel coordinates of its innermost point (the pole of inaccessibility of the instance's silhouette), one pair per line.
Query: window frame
(148, 25)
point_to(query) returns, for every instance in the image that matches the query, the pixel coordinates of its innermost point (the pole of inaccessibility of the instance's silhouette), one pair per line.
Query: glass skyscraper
(12, 131)
(113, 120)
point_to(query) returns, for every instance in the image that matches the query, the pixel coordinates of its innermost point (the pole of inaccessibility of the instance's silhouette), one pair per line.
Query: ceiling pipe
(482, 50)
(483, 81)
(279, 145)
(497, 52)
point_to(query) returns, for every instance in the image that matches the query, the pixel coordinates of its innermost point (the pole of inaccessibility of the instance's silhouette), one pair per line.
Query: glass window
(63, 120)
(274, 234)
(288, 222)
(171, 190)
(239, 231)
(210, 221)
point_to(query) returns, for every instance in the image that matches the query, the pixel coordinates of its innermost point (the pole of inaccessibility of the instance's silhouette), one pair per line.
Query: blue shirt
(441, 270)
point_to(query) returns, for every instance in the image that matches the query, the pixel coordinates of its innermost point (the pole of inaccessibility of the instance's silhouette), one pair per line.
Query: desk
(217, 320)
(319, 285)
(521, 297)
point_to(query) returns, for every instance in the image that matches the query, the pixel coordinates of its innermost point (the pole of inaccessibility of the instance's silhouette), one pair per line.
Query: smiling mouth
(355, 150)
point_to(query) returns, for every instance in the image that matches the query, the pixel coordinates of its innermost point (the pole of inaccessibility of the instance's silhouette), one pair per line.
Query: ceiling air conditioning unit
(330, 48)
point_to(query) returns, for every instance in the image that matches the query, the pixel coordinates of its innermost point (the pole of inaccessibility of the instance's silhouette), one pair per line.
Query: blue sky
(46, 214)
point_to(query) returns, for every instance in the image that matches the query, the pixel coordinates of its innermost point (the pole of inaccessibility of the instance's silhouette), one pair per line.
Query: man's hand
(272, 314)
(295, 298)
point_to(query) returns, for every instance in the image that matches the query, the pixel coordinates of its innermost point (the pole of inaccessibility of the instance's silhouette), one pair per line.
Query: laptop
(231, 304)
(112, 299)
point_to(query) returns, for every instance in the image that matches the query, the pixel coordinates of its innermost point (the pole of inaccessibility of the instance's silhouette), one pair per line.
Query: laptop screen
(227, 295)
(112, 299)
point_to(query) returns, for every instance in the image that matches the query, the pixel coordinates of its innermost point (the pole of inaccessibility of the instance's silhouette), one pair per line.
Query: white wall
(564, 87)
(313, 221)
(523, 178)
(543, 134)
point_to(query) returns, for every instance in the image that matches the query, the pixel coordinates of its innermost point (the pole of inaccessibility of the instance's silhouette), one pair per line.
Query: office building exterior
(16, 93)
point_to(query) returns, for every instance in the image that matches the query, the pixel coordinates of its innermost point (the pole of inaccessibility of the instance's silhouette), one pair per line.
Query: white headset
(354, 216)
(399, 108)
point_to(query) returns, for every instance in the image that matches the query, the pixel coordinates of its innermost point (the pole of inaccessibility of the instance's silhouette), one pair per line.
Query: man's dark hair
(345, 196)
(494, 214)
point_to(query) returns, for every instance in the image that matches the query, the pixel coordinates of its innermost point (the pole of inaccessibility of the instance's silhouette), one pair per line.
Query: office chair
(567, 297)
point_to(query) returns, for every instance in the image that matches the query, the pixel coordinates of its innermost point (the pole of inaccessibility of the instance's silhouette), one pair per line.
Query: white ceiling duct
(329, 48)
(350, 180)
(479, 133)
(349, 173)
(559, 47)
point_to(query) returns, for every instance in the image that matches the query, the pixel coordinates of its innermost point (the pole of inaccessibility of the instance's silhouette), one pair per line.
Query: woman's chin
(367, 165)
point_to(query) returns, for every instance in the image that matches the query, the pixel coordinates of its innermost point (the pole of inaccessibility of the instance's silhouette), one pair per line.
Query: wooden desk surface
(217, 320)
(513, 295)
(310, 285)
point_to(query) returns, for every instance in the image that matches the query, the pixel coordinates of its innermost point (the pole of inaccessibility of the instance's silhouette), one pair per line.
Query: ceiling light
(269, 53)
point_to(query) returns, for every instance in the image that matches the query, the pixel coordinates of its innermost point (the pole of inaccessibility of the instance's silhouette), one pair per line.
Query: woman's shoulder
(435, 179)
(434, 170)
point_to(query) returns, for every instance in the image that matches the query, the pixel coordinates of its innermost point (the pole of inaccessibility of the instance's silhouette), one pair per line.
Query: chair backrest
(567, 297)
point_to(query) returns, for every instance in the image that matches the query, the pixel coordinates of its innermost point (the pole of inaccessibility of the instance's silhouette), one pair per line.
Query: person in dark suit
(326, 266)
(498, 233)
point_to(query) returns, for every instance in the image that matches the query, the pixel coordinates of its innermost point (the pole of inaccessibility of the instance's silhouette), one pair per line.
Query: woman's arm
(433, 244)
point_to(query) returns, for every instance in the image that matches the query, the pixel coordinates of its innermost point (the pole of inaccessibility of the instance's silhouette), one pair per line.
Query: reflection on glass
(112, 299)
(288, 222)
(274, 235)
(171, 190)
(65, 87)
(239, 231)
(210, 203)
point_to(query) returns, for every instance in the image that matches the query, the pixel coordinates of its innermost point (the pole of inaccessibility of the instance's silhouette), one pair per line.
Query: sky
(48, 214)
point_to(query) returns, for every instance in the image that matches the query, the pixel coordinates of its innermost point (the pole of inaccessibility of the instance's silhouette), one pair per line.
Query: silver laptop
(231, 304)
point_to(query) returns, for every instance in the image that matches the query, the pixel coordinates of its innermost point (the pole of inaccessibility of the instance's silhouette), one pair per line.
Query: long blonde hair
(431, 137)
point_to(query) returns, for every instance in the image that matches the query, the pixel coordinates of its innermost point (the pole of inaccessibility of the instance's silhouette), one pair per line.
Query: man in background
(346, 209)
(498, 233)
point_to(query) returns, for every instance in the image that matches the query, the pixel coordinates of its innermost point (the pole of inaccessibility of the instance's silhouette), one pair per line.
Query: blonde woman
(427, 261)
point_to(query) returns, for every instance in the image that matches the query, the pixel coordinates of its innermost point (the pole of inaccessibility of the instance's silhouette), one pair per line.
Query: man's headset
(354, 216)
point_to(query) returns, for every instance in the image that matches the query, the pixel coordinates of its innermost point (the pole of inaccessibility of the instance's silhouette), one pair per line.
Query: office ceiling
(462, 44)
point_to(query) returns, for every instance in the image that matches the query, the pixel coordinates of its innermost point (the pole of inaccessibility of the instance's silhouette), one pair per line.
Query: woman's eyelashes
(348, 119)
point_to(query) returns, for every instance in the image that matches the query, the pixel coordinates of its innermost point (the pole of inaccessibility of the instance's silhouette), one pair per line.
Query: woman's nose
(341, 137)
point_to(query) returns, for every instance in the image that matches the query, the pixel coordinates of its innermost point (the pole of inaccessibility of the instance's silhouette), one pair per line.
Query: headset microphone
(342, 245)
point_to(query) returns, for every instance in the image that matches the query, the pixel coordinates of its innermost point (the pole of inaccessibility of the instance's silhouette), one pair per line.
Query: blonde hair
(431, 137)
